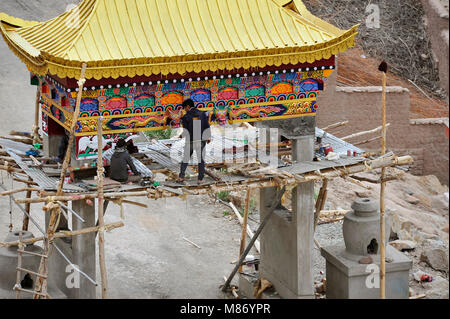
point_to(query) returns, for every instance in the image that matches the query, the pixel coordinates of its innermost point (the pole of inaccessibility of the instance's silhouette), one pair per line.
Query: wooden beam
(329, 174)
(335, 125)
(248, 229)
(64, 233)
(367, 141)
(365, 132)
(320, 202)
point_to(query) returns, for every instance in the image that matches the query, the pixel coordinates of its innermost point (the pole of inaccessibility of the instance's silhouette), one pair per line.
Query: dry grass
(401, 41)
(354, 70)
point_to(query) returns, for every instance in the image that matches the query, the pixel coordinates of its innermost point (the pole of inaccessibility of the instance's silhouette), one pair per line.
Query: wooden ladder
(43, 276)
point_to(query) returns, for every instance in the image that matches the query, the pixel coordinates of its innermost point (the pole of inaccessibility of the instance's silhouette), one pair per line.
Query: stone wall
(437, 28)
(361, 106)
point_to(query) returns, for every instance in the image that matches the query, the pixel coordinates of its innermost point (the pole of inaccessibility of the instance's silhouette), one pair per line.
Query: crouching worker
(120, 161)
(197, 133)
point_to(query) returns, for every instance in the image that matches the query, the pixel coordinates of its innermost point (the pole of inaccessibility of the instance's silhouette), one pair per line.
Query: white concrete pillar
(287, 240)
(84, 250)
(303, 216)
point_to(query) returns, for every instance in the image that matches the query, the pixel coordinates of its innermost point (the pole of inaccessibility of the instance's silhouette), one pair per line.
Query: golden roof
(119, 38)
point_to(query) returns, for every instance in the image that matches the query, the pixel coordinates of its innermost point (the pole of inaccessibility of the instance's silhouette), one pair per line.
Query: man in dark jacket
(62, 147)
(120, 161)
(197, 133)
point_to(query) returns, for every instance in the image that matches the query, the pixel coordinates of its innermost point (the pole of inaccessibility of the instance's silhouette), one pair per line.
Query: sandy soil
(148, 257)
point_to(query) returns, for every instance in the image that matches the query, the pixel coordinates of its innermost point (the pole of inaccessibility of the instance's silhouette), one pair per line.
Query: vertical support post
(320, 203)
(41, 284)
(19, 263)
(303, 214)
(382, 203)
(26, 219)
(244, 226)
(83, 249)
(101, 223)
(72, 129)
(36, 117)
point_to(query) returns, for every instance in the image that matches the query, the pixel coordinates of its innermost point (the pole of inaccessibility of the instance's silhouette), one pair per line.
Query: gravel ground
(326, 235)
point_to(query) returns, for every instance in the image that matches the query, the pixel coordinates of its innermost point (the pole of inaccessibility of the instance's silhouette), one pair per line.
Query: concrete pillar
(57, 264)
(51, 144)
(83, 249)
(303, 215)
(287, 240)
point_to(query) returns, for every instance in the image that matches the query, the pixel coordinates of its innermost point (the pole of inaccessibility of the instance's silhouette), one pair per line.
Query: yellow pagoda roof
(123, 38)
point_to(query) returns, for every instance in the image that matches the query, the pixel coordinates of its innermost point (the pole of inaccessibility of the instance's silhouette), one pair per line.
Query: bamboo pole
(244, 226)
(41, 284)
(101, 223)
(367, 141)
(263, 223)
(11, 169)
(222, 187)
(63, 234)
(28, 182)
(241, 221)
(19, 264)
(26, 219)
(383, 68)
(19, 190)
(379, 128)
(72, 130)
(36, 138)
(335, 125)
(320, 202)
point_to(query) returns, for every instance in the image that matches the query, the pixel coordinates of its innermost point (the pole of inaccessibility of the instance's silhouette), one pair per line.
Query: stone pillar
(303, 216)
(51, 144)
(287, 240)
(83, 250)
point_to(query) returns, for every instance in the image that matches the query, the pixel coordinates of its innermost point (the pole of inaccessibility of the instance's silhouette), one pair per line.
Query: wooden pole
(335, 125)
(41, 284)
(320, 203)
(244, 227)
(63, 234)
(383, 68)
(72, 130)
(26, 218)
(19, 264)
(36, 138)
(241, 221)
(101, 223)
(379, 128)
(331, 173)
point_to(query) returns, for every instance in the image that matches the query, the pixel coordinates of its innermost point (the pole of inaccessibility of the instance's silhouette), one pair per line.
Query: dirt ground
(148, 258)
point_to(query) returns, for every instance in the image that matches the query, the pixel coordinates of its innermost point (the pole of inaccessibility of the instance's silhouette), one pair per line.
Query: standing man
(197, 133)
(62, 147)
